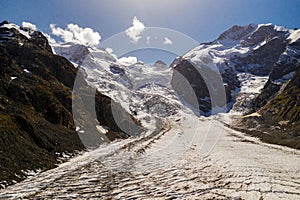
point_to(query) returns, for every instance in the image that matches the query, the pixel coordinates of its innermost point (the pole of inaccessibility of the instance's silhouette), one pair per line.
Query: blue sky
(202, 20)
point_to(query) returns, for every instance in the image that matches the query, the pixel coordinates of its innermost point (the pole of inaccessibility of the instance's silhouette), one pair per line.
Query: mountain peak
(237, 32)
(160, 64)
(243, 32)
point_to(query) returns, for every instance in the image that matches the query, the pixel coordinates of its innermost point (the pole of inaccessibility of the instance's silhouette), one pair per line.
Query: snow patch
(280, 28)
(27, 71)
(294, 36)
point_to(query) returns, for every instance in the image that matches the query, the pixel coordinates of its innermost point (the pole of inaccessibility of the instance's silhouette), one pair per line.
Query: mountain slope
(248, 52)
(282, 71)
(36, 121)
(252, 49)
(278, 121)
(276, 118)
(141, 89)
(286, 104)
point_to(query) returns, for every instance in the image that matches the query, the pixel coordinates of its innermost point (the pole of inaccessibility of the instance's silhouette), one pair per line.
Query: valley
(189, 146)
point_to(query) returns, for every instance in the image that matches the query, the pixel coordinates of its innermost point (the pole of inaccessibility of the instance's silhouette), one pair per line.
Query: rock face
(278, 120)
(267, 43)
(286, 104)
(281, 73)
(203, 83)
(36, 121)
(256, 49)
(280, 96)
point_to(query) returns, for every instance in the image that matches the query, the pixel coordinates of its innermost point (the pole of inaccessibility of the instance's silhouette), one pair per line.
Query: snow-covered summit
(232, 47)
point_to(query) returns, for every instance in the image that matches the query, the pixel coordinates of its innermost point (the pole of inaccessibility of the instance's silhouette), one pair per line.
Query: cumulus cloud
(134, 32)
(127, 61)
(167, 41)
(74, 33)
(29, 25)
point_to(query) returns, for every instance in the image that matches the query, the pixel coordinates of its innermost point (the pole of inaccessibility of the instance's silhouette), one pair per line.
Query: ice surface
(189, 159)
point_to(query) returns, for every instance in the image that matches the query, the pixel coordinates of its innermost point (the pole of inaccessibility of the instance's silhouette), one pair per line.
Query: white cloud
(167, 41)
(134, 32)
(127, 61)
(29, 25)
(74, 33)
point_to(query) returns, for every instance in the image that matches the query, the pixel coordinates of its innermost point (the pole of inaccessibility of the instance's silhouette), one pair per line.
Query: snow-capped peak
(239, 42)
(280, 28)
(237, 32)
(247, 32)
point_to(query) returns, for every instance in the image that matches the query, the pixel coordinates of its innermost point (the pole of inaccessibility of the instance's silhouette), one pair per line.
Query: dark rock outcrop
(286, 103)
(35, 105)
(281, 73)
(202, 83)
